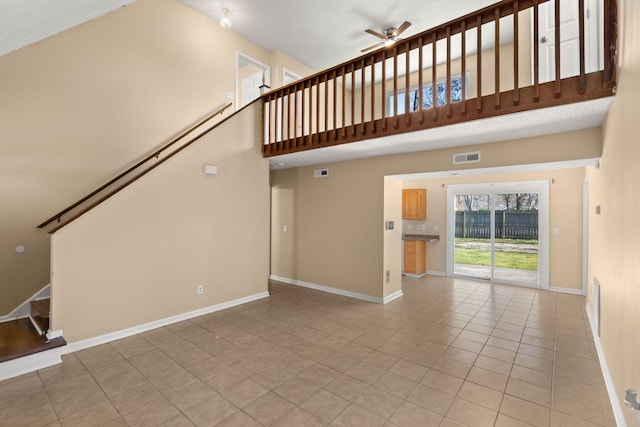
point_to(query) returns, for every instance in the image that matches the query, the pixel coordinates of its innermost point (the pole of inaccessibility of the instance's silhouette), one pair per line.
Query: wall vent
(473, 157)
(321, 173)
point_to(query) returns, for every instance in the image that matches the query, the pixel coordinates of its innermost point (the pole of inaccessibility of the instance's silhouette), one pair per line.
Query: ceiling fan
(389, 37)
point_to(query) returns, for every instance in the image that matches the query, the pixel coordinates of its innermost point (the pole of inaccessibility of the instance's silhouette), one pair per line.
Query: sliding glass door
(497, 234)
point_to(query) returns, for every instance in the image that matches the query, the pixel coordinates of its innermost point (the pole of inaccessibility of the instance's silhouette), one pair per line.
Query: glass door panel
(516, 237)
(472, 241)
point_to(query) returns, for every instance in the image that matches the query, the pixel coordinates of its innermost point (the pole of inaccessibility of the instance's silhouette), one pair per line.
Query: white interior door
(569, 38)
(251, 88)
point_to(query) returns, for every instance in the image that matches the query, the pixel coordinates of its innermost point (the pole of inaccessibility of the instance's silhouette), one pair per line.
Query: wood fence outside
(521, 225)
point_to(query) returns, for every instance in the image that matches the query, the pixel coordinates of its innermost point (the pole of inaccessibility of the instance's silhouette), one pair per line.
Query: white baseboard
(329, 289)
(436, 273)
(54, 334)
(389, 298)
(102, 339)
(33, 362)
(566, 290)
(24, 309)
(611, 389)
(417, 276)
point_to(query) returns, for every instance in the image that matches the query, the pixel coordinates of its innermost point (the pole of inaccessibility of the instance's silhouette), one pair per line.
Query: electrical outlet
(388, 276)
(200, 290)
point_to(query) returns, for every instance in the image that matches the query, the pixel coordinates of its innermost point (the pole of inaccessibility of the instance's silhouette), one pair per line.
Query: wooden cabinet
(415, 257)
(414, 203)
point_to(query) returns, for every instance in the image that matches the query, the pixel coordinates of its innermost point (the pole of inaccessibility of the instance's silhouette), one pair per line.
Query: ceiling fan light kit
(389, 38)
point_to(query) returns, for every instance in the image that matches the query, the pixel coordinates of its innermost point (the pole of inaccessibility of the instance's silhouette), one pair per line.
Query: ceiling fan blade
(374, 33)
(401, 29)
(375, 46)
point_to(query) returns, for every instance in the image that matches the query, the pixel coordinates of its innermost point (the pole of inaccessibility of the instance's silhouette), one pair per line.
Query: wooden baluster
(295, 115)
(395, 88)
(497, 59)
(362, 98)
(610, 36)
(353, 99)
(447, 95)
(582, 85)
(310, 136)
(373, 94)
(420, 82)
(479, 63)
(318, 108)
(463, 67)
(344, 100)
(335, 105)
(516, 85)
(407, 86)
(326, 107)
(302, 111)
(536, 52)
(434, 77)
(383, 104)
(264, 126)
(289, 117)
(558, 85)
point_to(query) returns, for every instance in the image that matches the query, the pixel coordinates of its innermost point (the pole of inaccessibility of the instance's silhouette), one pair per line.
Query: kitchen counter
(424, 237)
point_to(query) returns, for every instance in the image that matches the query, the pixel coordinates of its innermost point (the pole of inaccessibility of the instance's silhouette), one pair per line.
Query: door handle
(543, 39)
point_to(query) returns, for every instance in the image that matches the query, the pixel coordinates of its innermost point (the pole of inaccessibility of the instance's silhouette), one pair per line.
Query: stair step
(18, 338)
(41, 307)
(40, 323)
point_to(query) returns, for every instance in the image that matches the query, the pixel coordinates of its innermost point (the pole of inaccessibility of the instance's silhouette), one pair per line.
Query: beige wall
(565, 214)
(140, 256)
(336, 235)
(614, 243)
(392, 244)
(82, 105)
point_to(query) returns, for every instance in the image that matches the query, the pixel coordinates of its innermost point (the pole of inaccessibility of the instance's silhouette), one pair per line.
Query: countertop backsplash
(410, 226)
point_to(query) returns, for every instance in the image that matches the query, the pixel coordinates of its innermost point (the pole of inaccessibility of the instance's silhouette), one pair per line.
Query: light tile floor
(450, 352)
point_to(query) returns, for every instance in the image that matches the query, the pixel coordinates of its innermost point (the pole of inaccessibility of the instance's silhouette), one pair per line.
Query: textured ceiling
(324, 33)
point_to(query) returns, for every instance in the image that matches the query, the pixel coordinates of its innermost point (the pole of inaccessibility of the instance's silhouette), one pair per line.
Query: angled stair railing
(110, 188)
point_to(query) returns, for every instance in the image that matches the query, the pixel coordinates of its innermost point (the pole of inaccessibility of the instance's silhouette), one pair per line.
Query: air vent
(466, 158)
(321, 173)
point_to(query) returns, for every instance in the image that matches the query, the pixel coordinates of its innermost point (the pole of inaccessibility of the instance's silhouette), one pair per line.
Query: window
(427, 96)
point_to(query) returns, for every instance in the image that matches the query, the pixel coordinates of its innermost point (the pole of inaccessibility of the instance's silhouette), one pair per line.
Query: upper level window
(427, 96)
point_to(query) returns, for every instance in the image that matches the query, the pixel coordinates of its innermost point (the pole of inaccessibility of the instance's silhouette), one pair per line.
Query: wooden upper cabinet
(414, 203)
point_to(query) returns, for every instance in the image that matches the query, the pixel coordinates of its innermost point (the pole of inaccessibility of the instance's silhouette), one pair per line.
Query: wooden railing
(133, 173)
(495, 61)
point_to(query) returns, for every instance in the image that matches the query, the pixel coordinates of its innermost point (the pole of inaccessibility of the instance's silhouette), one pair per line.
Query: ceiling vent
(321, 173)
(473, 157)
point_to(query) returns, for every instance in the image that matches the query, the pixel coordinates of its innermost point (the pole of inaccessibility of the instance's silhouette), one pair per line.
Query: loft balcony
(514, 56)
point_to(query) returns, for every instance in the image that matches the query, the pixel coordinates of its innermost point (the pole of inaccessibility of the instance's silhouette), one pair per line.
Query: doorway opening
(499, 232)
(251, 76)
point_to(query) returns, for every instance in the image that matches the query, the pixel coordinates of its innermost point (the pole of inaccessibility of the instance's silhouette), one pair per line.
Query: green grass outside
(517, 260)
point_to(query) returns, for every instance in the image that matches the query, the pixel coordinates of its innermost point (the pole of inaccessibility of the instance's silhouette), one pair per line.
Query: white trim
(24, 309)
(585, 235)
(389, 298)
(33, 362)
(328, 289)
(611, 389)
(566, 290)
(437, 273)
(102, 339)
(54, 334)
(417, 276)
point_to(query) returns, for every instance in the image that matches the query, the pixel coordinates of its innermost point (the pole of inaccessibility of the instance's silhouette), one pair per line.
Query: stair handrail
(155, 154)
